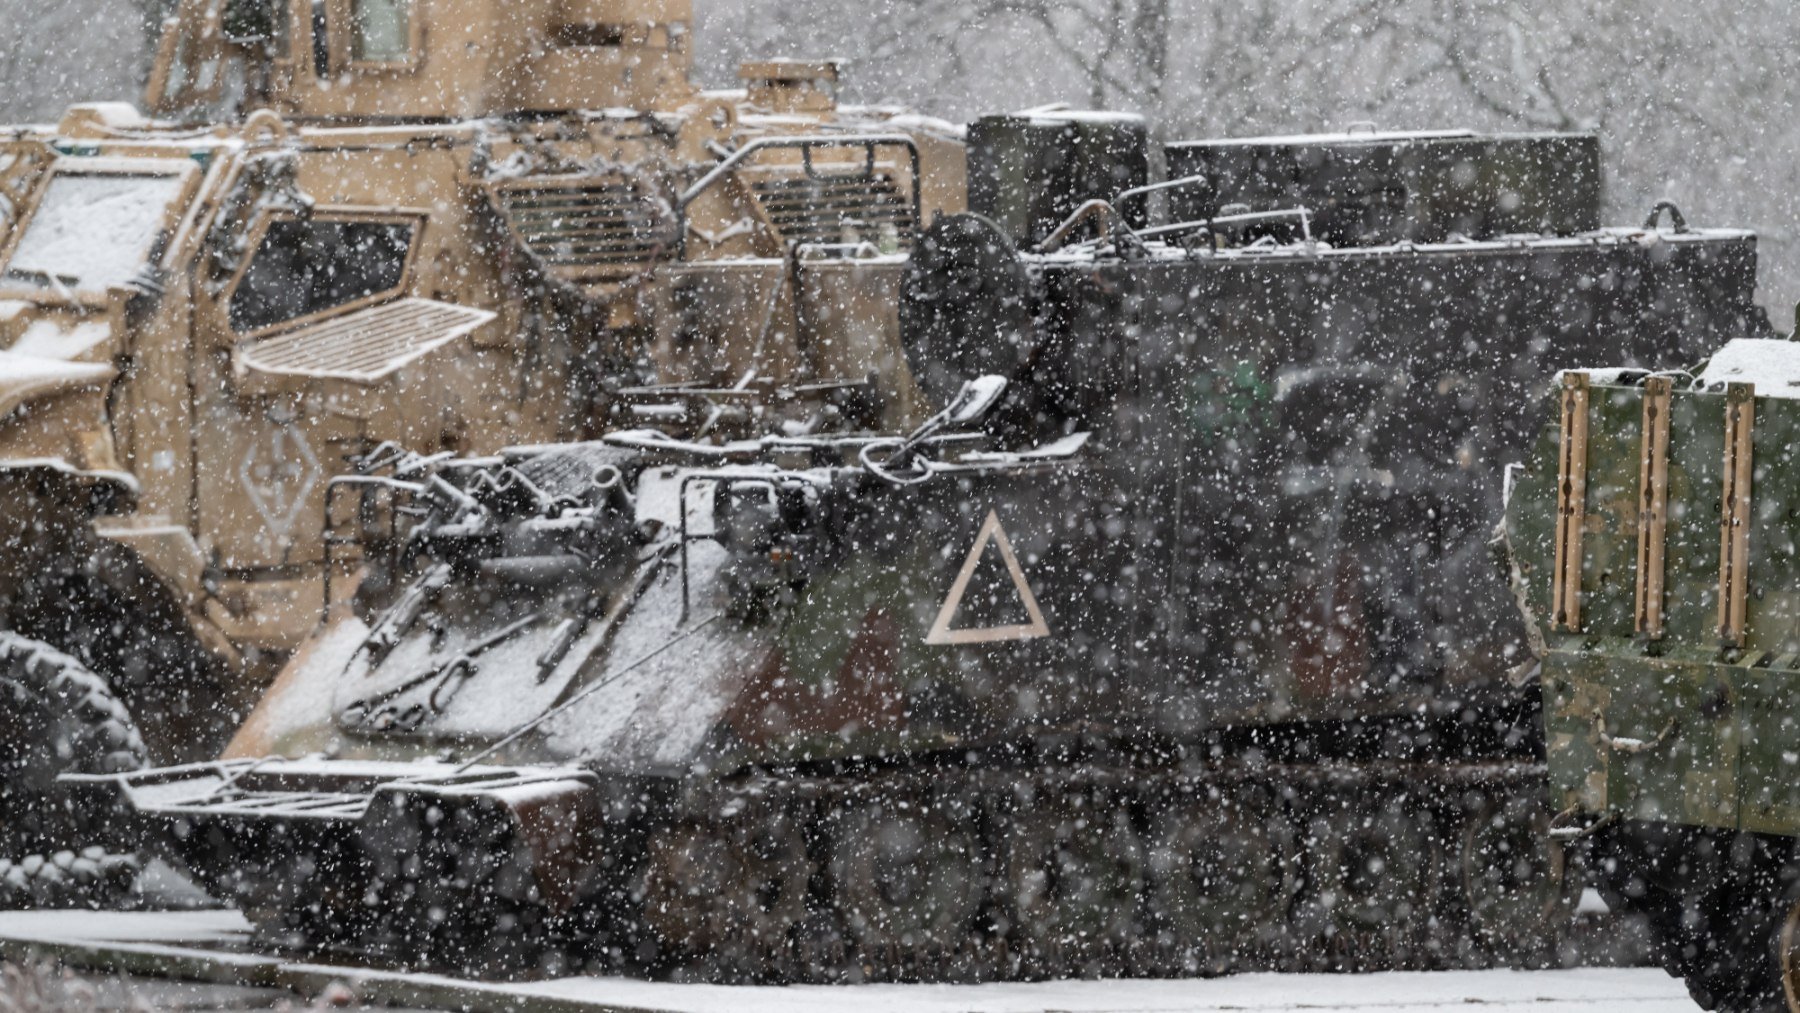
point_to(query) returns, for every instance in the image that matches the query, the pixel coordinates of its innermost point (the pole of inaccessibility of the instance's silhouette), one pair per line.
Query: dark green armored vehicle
(1175, 644)
(1653, 537)
(1367, 188)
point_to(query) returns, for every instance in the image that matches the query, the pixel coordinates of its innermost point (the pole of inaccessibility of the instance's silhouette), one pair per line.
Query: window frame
(157, 255)
(281, 19)
(341, 23)
(331, 213)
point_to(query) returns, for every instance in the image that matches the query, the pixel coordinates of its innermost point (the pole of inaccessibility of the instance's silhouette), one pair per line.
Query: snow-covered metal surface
(24, 377)
(1772, 364)
(51, 354)
(1611, 237)
(332, 789)
(98, 223)
(216, 946)
(1341, 137)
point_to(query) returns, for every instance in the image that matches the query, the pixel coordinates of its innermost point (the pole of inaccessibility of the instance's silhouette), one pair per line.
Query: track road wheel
(907, 880)
(1076, 877)
(1378, 877)
(723, 898)
(56, 717)
(1515, 881)
(1734, 949)
(1219, 882)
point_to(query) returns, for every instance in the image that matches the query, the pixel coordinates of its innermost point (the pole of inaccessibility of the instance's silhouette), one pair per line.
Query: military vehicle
(457, 227)
(1173, 643)
(1366, 188)
(1651, 535)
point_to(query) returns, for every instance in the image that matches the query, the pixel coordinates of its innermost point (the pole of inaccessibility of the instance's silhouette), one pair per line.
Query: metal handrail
(869, 143)
(723, 479)
(1102, 211)
(1167, 184)
(1302, 213)
(329, 538)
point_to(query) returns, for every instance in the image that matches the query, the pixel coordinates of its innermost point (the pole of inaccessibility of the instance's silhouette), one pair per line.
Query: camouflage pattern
(1030, 171)
(1149, 661)
(1424, 187)
(1650, 534)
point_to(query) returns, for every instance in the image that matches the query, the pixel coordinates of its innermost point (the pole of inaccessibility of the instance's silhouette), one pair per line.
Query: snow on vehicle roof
(1159, 249)
(1059, 113)
(902, 120)
(1772, 364)
(1339, 137)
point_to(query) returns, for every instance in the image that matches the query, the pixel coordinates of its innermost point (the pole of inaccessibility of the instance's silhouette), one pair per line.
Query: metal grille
(847, 209)
(592, 227)
(365, 346)
(569, 471)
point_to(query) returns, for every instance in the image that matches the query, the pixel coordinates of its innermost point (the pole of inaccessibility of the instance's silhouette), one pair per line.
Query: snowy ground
(213, 945)
(1538, 992)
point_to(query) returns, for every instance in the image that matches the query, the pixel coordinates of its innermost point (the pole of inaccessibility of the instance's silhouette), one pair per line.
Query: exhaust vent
(590, 229)
(848, 209)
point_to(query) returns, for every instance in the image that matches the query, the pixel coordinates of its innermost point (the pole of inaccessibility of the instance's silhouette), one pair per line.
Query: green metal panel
(1682, 728)
(1769, 783)
(1029, 173)
(1774, 599)
(1609, 540)
(1384, 188)
(1691, 544)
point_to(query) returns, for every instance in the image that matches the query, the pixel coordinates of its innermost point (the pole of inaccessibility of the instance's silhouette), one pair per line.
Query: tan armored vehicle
(350, 223)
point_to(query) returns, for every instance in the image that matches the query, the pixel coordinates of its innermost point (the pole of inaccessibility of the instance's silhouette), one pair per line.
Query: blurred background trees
(1695, 102)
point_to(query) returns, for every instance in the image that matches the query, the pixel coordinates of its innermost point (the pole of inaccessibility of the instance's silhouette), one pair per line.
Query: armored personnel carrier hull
(1173, 645)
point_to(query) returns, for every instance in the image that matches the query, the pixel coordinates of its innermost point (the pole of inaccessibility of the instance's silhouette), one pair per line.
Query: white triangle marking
(941, 633)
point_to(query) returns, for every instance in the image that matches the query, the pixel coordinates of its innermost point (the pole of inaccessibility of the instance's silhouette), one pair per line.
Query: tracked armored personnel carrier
(1650, 534)
(1174, 644)
(349, 224)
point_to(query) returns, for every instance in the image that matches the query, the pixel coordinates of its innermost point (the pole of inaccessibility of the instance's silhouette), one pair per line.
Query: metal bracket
(1563, 831)
(1571, 503)
(1630, 746)
(1734, 513)
(1653, 506)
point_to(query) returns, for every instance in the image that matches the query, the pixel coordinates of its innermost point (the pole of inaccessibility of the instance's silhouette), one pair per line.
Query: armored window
(306, 267)
(590, 35)
(383, 31)
(258, 22)
(96, 230)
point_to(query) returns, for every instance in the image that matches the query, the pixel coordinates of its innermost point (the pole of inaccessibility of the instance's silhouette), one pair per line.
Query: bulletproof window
(95, 231)
(258, 22)
(303, 267)
(383, 31)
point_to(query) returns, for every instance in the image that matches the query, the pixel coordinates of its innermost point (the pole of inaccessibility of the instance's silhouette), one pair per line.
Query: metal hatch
(365, 346)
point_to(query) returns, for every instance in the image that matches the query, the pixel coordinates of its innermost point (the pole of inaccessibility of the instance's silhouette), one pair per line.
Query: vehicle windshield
(303, 267)
(93, 232)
